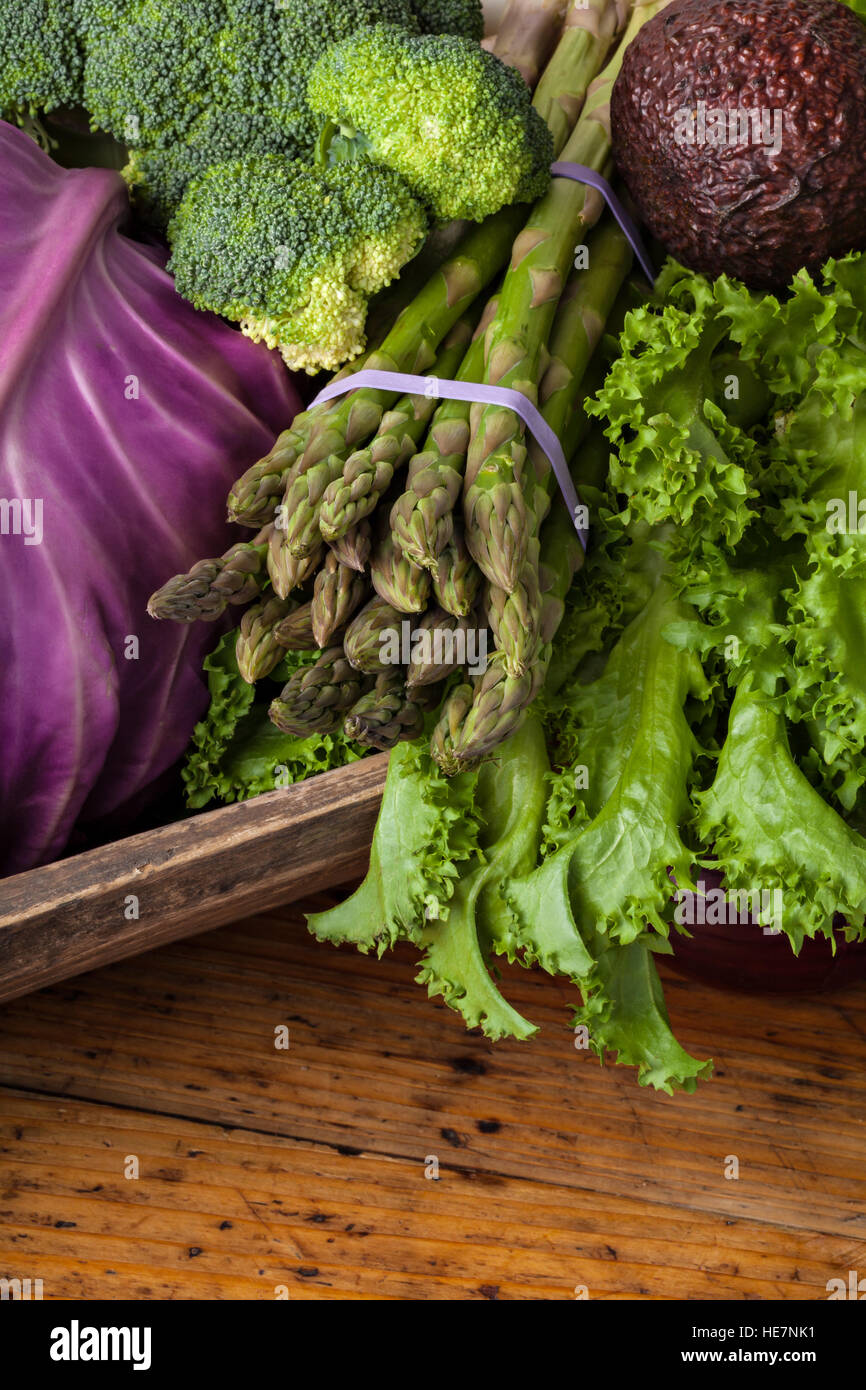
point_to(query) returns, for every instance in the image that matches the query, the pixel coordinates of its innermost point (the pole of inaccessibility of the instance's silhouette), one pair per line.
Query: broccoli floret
(292, 252)
(450, 17)
(451, 118)
(40, 57)
(159, 178)
(151, 66)
(268, 47)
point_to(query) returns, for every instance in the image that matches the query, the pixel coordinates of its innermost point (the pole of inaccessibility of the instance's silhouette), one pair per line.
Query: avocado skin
(740, 210)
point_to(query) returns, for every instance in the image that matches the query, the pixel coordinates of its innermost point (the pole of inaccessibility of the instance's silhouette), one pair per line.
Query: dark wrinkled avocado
(739, 128)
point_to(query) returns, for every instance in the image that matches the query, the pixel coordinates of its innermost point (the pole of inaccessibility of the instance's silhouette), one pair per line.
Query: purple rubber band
(409, 384)
(581, 173)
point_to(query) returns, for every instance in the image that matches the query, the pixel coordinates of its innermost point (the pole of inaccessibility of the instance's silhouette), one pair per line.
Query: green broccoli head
(291, 251)
(450, 17)
(451, 118)
(40, 57)
(267, 48)
(151, 66)
(158, 178)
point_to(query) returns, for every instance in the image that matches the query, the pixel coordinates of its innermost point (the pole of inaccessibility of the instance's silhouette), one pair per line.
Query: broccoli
(158, 178)
(150, 66)
(450, 17)
(40, 57)
(450, 117)
(292, 252)
(269, 46)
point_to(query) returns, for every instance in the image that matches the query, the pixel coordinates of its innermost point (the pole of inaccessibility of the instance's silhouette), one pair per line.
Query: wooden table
(265, 1172)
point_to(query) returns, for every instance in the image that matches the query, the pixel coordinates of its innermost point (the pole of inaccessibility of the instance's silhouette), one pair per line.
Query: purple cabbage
(125, 416)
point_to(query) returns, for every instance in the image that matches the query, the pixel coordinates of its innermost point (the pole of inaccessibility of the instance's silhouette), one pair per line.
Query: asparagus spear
(204, 592)
(515, 342)
(317, 697)
(437, 643)
(476, 718)
(256, 494)
(295, 632)
(367, 472)
(583, 311)
(395, 578)
(423, 517)
(377, 623)
(285, 570)
(526, 35)
(515, 617)
(457, 579)
(337, 592)
(354, 548)
(591, 26)
(257, 649)
(386, 714)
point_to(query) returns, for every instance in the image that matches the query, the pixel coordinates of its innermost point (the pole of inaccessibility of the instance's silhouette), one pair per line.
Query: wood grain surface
(263, 1171)
(187, 877)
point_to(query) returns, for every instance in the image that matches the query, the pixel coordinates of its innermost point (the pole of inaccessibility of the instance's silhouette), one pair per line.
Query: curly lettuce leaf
(622, 1004)
(231, 697)
(637, 752)
(260, 758)
(510, 798)
(811, 350)
(742, 623)
(427, 828)
(770, 830)
(789, 341)
(236, 752)
(633, 1022)
(680, 457)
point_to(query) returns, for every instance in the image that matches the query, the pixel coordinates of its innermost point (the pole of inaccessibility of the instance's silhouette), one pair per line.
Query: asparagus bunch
(326, 498)
(337, 567)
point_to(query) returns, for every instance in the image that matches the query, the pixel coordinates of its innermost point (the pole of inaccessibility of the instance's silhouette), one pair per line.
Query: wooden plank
(374, 1067)
(235, 1215)
(186, 878)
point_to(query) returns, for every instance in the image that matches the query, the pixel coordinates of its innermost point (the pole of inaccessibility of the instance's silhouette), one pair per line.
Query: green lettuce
(630, 786)
(427, 828)
(236, 752)
(679, 457)
(770, 830)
